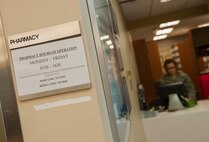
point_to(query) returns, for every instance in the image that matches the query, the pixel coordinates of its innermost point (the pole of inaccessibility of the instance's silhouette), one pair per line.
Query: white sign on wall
(51, 67)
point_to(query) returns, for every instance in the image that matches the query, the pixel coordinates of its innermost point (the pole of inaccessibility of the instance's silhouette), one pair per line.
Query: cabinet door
(144, 69)
(154, 59)
(188, 59)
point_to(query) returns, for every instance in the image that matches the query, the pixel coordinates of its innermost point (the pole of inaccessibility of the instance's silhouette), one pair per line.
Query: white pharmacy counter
(187, 125)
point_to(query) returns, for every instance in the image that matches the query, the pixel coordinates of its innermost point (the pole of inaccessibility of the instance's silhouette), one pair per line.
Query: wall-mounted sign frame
(49, 61)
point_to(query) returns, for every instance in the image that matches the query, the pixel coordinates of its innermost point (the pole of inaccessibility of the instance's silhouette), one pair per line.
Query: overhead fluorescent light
(160, 37)
(168, 24)
(164, 31)
(162, 1)
(109, 42)
(111, 46)
(104, 37)
(203, 25)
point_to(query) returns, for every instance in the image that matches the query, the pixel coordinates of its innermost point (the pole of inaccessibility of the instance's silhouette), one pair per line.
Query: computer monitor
(164, 90)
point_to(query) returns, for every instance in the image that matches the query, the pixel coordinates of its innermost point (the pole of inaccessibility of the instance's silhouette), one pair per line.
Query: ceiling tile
(171, 6)
(143, 33)
(141, 9)
(136, 10)
(194, 3)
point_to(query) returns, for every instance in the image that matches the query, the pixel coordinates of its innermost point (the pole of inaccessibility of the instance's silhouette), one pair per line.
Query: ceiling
(144, 16)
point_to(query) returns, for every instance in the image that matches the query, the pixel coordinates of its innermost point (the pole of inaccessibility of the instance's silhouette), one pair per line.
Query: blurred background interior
(164, 29)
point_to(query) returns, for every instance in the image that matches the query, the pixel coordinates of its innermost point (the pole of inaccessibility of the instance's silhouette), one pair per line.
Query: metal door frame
(8, 101)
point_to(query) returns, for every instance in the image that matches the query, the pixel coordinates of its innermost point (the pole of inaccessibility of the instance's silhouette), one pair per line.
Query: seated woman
(174, 75)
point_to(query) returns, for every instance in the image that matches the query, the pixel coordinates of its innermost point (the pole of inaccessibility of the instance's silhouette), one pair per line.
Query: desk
(188, 125)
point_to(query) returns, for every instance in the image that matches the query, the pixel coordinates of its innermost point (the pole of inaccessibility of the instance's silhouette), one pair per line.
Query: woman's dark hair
(168, 61)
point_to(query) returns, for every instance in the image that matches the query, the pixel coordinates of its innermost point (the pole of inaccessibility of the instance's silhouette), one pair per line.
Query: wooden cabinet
(149, 66)
(189, 60)
(154, 59)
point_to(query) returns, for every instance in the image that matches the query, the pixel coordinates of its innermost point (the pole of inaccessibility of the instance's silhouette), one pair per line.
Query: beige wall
(78, 122)
(130, 72)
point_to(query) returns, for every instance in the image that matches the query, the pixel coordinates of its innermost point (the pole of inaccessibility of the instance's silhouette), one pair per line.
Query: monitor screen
(166, 89)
